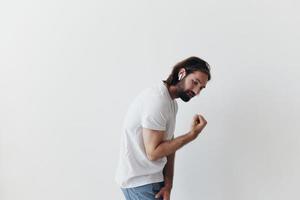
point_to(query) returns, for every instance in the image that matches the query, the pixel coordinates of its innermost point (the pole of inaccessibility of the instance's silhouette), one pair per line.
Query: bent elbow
(152, 157)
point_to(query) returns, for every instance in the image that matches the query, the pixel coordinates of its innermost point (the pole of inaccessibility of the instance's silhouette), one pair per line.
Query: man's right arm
(157, 148)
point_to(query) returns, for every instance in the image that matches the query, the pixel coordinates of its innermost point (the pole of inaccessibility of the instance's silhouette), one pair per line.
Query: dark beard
(184, 96)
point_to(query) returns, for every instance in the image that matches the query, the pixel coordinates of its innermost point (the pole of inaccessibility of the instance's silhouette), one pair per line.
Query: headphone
(180, 77)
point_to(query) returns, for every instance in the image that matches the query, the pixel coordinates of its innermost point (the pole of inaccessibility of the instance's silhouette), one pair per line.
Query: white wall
(69, 69)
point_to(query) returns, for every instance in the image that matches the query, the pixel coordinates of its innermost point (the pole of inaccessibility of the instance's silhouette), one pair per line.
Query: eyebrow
(200, 82)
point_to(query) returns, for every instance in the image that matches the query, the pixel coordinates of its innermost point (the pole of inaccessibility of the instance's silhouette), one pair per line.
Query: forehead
(202, 77)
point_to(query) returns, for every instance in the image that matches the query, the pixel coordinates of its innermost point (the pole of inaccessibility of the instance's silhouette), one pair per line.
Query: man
(148, 146)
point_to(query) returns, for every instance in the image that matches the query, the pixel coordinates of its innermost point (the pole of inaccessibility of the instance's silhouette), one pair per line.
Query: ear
(181, 73)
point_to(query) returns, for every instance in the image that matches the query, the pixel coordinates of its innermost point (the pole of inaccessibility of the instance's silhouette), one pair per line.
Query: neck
(172, 91)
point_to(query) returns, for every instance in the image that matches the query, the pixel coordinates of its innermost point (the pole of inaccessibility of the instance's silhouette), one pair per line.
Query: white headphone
(180, 77)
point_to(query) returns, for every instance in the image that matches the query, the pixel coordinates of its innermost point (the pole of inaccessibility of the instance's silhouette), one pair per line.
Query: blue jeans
(144, 192)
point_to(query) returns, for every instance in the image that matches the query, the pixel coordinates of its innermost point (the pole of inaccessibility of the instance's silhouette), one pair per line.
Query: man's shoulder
(155, 94)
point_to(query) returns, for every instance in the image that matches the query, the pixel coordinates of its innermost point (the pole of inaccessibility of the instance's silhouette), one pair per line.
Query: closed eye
(195, 82)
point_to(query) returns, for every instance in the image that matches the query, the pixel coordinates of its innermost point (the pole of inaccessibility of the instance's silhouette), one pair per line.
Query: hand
(164, 192)
(198, 125)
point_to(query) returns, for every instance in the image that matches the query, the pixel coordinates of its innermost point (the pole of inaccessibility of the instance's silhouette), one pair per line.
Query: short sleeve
(155, 114)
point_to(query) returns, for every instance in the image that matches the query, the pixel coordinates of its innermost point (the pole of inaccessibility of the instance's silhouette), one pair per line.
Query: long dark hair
(190, 65)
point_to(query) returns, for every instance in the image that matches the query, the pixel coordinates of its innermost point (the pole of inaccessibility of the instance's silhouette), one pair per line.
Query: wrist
(168, 184)
(192, 135)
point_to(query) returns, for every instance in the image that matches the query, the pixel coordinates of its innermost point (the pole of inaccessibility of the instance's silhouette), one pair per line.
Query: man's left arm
(169, 171)
(168, 178)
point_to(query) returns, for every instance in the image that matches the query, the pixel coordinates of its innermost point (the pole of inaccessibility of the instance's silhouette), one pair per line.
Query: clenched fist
(198, 125)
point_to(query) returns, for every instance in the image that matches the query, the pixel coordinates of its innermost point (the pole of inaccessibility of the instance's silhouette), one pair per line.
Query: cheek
(188, 86)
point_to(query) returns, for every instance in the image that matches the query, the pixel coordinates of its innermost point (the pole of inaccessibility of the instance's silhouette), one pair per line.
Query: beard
(183, 94)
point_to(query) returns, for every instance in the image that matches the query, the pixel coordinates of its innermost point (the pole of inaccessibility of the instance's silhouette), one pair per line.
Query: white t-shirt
(152, 109)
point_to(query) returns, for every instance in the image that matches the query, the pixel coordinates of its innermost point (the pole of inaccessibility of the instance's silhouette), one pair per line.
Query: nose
(197, 91)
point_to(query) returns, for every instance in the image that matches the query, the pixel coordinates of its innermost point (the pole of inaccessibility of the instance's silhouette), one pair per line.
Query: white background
(69, 70)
